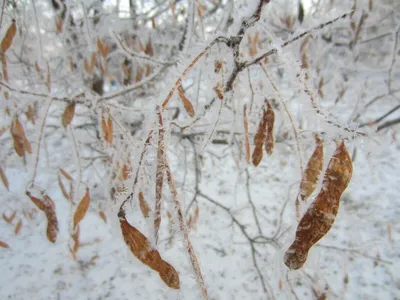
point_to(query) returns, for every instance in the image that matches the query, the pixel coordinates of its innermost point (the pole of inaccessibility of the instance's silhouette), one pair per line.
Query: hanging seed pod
(270, 138)
(259, 139)
(140, 247)
(319, 218)
(311, 174)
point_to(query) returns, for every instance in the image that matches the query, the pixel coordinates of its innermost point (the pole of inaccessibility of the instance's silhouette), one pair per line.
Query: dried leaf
(4, 245)
(82, 208)
(270, 138)
(68, 115)
(8, 38)
(4, 178)
(159, 175)
(18, 227)
(319, 218)
(144, 207)
(186, 102)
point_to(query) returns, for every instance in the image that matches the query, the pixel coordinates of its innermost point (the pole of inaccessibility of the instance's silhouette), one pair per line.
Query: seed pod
(186, 102)
(259, 139)
(82, 208)
(246, 134)
(311, 174)
(8, 38)
(270, 138)
(319, 218)
(68, 115)
(159, 176)
(139, 246)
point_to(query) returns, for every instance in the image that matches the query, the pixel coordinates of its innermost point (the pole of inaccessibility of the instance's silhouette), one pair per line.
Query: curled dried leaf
(319, 217)
(68, 115)
(8, 38)
(82, 208)
(186, 102)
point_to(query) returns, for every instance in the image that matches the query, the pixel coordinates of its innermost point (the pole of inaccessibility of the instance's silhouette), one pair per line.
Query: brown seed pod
(68, 115)
(4, 245)
(140, 247)
(311, 174)
(246, 134)
(82, 208)
(319, 218)
(186, 102)
(159, 175)
(270, 138)
(259, 139)
(4, 178)
(8, 38)
(144, 207)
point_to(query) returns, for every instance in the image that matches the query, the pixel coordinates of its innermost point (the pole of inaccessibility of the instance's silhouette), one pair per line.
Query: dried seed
(319, 218)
